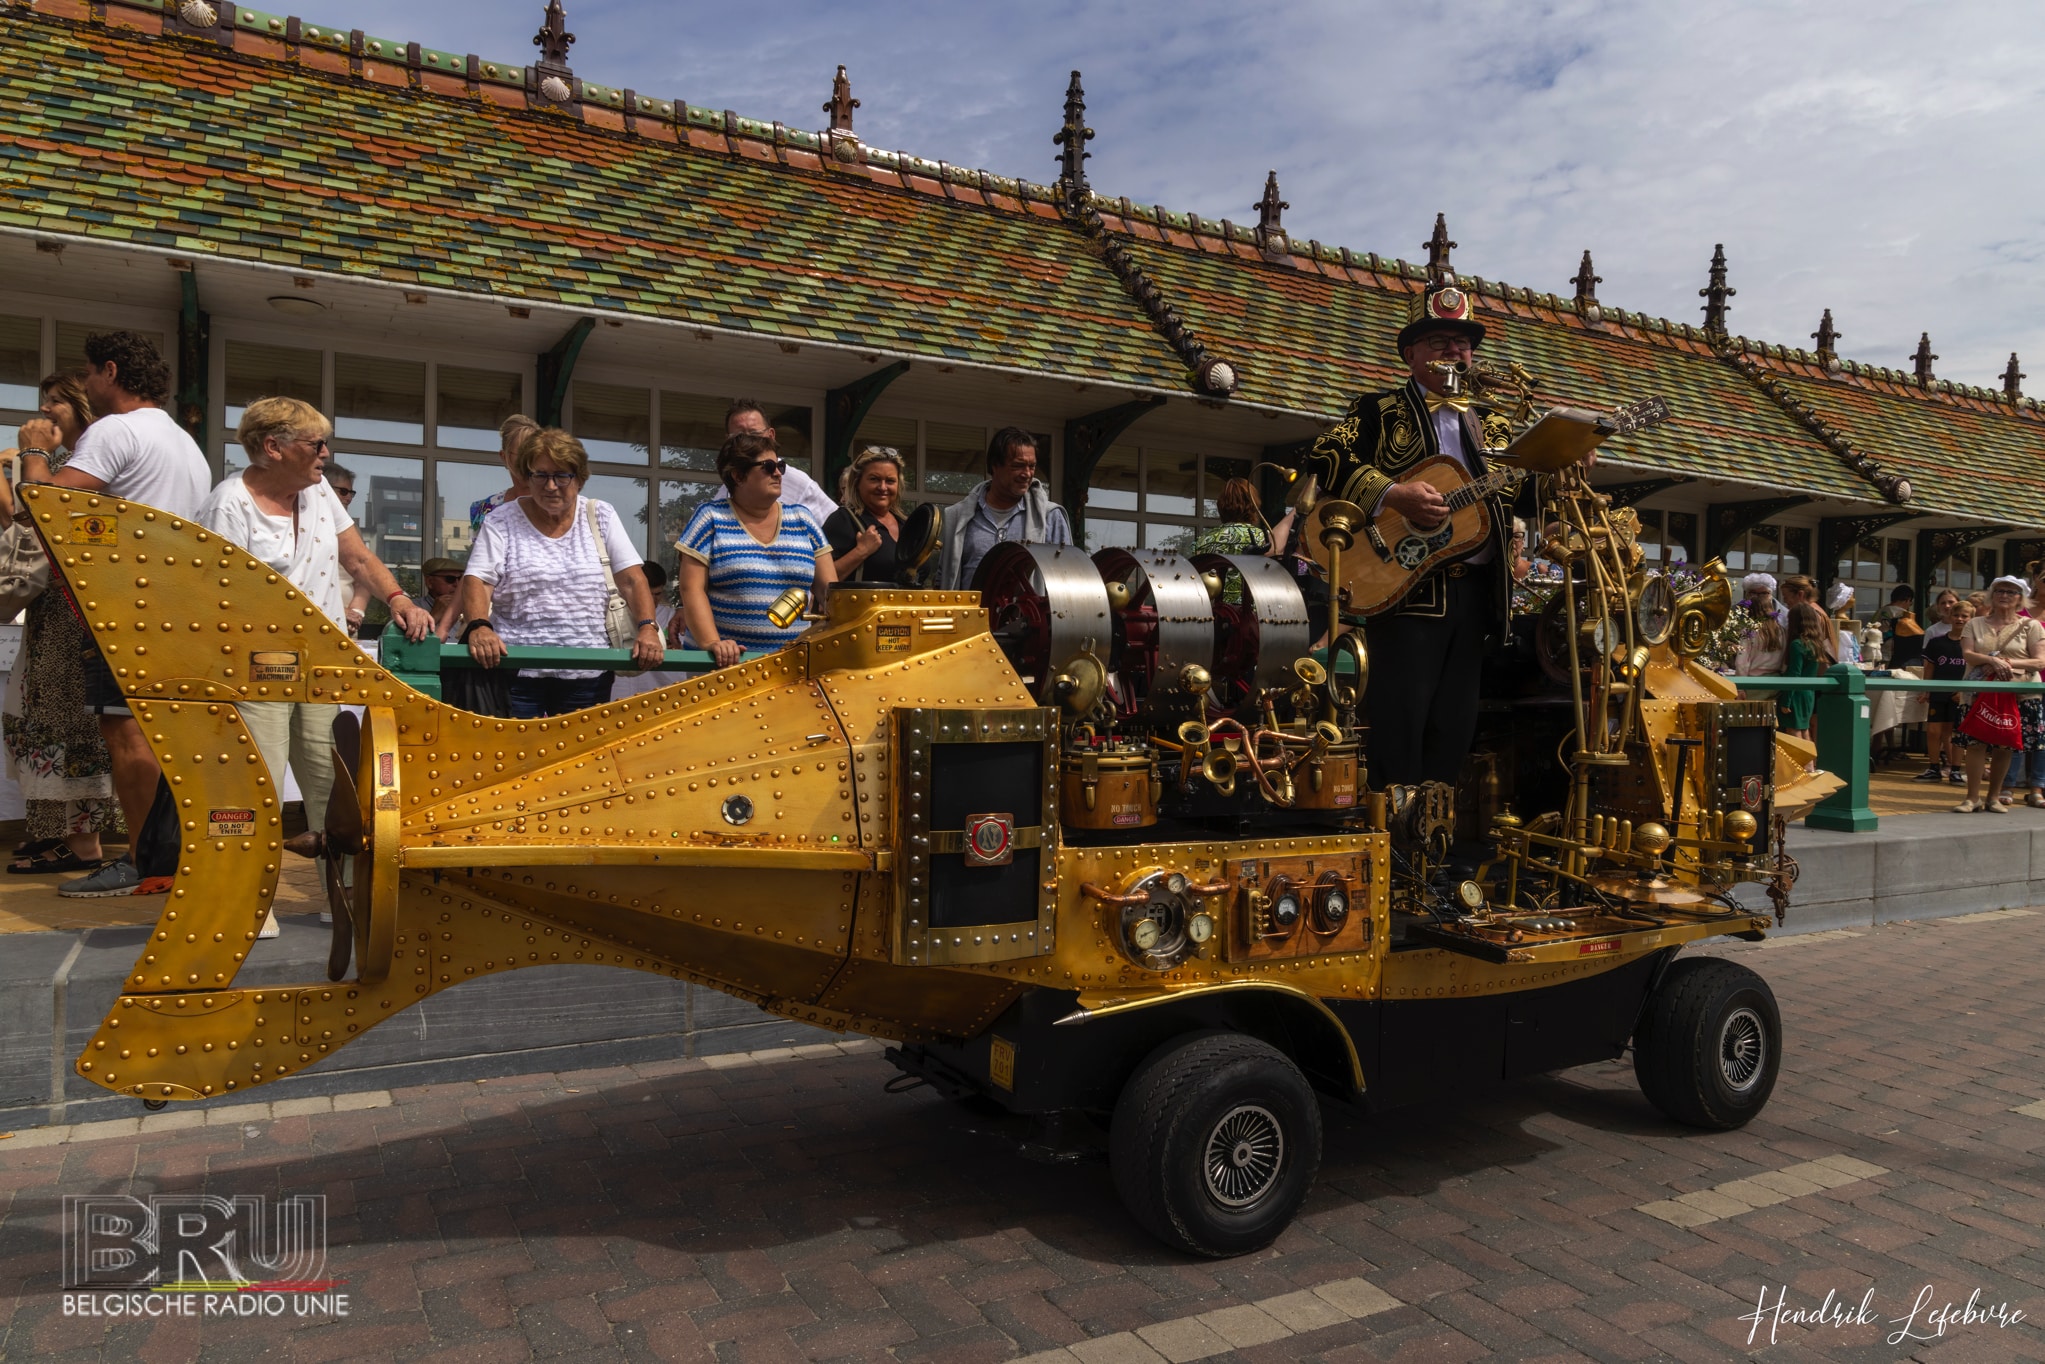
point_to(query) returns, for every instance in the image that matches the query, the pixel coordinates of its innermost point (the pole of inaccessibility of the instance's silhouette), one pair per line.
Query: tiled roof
(290, 143)
(1969, 452)
(177, 144)
(1314, 333)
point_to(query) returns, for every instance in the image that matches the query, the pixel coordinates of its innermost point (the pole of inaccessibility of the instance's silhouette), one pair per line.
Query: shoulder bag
(618, 627)
(24, 570)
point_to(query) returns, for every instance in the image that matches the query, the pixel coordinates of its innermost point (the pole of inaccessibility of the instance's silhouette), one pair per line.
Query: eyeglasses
(774, 467)
(345, 494)
(560, 480)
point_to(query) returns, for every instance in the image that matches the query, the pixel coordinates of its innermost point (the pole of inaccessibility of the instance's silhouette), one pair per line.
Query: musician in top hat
(1426, 652)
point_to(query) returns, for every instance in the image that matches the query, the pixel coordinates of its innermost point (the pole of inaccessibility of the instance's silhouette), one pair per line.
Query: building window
(612, 422)
(691, 431)
(21, 365)
(379, 399)
(1668, 537)
(254, 372)
(71, 338)
(471, 404)
(955, 458)
(1780, 550)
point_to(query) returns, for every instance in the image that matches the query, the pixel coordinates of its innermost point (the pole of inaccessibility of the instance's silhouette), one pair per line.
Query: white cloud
(1870, 157)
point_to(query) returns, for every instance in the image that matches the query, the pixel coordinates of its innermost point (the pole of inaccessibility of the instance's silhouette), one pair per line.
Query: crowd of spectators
(547, 568)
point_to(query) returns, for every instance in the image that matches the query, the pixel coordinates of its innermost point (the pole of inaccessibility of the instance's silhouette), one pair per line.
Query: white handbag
(618, 626)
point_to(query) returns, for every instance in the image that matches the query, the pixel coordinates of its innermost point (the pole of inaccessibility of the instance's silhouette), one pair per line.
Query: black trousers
(1422, 695)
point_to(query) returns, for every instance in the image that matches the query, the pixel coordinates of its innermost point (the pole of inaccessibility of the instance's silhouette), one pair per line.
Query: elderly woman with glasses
(282, 510)
(541, 572)
(739, 556)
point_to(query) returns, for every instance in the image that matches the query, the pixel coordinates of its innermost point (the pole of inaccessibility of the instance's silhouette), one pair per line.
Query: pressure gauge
(1471, 894)
(1331, 903)
(1199, 928)
(1145, 934)
(1284, 903)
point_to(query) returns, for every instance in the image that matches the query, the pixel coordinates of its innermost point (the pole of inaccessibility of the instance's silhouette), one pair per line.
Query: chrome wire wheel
(1244, 1154)
(1742, 1047)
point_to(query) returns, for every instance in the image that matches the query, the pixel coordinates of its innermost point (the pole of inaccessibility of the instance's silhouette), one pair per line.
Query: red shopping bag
(1993, 719)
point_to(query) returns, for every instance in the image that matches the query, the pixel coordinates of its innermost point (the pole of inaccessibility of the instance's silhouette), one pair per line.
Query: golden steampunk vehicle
(1104, 844)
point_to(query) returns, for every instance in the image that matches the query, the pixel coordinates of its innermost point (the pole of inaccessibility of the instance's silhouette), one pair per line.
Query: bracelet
(27, 450)
(390, 597)
(642, 624)
(475, 625)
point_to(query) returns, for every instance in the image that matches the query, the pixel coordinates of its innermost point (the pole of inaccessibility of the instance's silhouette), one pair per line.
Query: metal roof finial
(1827, 336)
(1920, 362)
(1715, 295)
(1439, 271)
(2012, 379)
(841, 103)
(1268, 210)
(1072, 139)
(553, 40)
(1587, 281)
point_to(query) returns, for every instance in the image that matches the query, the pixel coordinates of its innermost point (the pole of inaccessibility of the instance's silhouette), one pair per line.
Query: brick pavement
(783, 1208)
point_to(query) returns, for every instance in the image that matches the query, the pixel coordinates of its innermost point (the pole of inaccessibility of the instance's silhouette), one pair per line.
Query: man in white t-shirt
(134, 452)
(796, 486)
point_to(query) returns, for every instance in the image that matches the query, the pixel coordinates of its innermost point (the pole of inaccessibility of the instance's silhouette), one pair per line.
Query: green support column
(1841, 718)
(194, 337)
(844, 409)
(1086, 440)
(556, 368)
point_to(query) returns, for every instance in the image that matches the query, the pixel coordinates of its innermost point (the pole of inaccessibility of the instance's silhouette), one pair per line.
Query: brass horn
(1218, 765)
(1701, 610)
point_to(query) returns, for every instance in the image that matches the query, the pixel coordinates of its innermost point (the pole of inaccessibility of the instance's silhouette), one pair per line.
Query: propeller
(341, 838)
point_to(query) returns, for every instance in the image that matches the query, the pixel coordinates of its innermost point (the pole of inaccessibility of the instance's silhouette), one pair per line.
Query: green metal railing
(420, 665)
(1843, 719)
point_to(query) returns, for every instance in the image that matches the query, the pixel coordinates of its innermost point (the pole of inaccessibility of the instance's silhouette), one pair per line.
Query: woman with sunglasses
(540, 573)
(739, 556)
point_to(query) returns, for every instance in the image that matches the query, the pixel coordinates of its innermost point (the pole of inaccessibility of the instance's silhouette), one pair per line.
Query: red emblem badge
(990, 840)
(1750, 793)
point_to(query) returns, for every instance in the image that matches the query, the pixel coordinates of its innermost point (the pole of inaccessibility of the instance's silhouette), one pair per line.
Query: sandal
(57, 859)
(37, 848)
(2035, 801)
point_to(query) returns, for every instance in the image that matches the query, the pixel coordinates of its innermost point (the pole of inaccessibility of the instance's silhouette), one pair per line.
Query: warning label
(230, 823)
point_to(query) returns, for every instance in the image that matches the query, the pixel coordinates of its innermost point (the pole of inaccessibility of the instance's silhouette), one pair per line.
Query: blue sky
(1876, 158)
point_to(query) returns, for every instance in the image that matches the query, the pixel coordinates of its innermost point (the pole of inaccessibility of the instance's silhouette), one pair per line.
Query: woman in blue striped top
(738, 556)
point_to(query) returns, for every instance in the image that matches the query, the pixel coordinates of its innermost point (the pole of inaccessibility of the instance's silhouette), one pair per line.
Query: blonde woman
(863, 531)
(282, 510)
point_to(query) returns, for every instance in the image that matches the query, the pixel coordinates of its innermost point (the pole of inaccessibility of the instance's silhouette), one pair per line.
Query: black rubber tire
(1177, 1104)
(1709, 1044)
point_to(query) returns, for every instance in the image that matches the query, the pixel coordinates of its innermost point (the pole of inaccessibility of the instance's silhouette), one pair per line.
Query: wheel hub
(1742, 1047)
(1244, 1154)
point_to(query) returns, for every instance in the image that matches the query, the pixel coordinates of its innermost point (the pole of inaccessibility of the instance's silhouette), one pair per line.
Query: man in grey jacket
(1010, 504)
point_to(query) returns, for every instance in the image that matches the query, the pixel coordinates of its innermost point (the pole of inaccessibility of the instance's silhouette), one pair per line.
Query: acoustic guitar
(1390, 554)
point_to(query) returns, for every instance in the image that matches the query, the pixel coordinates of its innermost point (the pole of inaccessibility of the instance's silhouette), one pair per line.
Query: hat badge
(1448, 305)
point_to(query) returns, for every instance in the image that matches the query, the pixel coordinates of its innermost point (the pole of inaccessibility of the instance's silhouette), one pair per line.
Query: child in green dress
(1809, 655)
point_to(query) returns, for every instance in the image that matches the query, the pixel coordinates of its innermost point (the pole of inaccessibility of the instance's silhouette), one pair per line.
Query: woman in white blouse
(282, 511)
(540, 573)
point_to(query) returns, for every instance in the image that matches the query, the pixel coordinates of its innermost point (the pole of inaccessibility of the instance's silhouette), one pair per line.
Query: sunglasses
(345, 494)
(560, 480)
(773, 467)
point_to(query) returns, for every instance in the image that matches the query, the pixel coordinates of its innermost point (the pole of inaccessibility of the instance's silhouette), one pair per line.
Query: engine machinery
(1106, 844)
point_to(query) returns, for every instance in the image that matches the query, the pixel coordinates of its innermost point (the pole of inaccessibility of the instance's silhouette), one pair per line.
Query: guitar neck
(1477, 490)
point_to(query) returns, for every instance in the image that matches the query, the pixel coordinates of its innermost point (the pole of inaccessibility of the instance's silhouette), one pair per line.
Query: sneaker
(269, 928)
(119, 877)
(1930, 774)
(1958, 777)
(327, 917)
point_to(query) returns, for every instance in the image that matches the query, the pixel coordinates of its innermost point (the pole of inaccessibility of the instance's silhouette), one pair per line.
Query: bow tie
(1459, 402)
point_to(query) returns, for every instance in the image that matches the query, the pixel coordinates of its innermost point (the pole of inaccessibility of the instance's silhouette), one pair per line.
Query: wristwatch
(642, 624)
